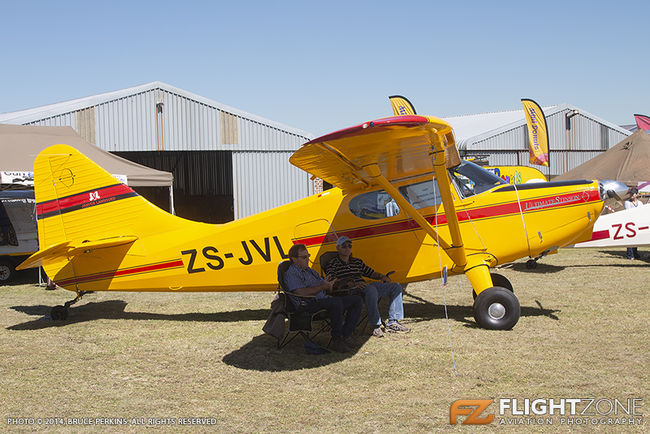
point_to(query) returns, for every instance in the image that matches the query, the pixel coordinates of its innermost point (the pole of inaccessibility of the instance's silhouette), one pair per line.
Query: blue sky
(322, 66)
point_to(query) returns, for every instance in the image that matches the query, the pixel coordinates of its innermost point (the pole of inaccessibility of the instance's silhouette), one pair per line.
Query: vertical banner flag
(642, 122)
(401, 106)
(537, 132)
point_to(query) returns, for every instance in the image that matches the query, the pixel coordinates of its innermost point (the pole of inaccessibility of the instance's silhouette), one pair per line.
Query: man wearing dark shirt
(350, 270)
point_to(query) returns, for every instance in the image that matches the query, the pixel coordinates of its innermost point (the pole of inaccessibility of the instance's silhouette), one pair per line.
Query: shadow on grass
(622, 254)
(114, 309)
(541, 268)
(261, 353)
(425, 311)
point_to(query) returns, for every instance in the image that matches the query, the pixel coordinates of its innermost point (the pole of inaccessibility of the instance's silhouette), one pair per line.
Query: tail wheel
(498, 280)
(6, 272)
(496, 308)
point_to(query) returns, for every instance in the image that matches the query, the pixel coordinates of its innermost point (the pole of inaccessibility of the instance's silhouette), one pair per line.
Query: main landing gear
(60, 313)
(497, 308)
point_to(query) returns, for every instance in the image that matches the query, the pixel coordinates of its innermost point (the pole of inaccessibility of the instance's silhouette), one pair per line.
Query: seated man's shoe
(396, 327)
(339, 346)
(377, 332)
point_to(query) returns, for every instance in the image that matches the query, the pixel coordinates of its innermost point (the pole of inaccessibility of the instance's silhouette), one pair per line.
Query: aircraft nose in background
(611, 189)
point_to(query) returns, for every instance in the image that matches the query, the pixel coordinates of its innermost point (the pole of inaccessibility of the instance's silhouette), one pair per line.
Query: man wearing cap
(347, 268)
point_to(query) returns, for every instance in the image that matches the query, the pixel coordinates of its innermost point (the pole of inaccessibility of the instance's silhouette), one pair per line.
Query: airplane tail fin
(80, 207)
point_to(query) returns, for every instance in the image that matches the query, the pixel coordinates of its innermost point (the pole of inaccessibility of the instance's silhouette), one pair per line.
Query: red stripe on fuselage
(600, 235)
(120, 273)
(530, 205)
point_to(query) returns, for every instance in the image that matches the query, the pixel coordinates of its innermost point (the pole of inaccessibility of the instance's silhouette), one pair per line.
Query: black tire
(496, 308)
(531, 264)
(498, 280)
(59, 313)
(6, 272)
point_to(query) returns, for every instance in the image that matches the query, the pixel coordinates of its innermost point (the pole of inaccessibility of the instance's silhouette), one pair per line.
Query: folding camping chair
(300, 322)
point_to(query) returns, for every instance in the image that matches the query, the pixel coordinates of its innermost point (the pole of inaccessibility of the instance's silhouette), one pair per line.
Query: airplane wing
(400, 146)
(377, 152)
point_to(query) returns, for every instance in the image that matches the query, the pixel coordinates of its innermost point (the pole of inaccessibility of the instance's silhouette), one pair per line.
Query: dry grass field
(166, 358)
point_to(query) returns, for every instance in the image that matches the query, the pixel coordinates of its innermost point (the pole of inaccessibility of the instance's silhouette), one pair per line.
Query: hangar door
(265, 179)
(203, 189)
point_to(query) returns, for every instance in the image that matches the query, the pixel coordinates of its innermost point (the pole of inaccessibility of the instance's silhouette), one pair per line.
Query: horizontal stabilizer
(66, 250)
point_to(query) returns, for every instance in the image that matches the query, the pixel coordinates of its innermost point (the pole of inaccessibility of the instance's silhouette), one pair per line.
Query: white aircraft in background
(627, 228)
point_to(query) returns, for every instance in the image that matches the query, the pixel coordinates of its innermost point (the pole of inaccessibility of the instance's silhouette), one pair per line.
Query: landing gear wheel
(496, 308)
(59, 313)
(498, 280)
(531, 264)
(6, 272)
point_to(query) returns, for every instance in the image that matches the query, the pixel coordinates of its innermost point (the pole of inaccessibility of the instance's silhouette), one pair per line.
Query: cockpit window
(472, 179)
(422, 194)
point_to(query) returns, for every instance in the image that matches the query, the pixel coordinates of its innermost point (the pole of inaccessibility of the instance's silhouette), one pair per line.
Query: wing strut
(475, 267)
(455, 251)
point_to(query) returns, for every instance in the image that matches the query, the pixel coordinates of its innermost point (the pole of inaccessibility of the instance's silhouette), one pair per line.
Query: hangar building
(575, 136)
(227, 164)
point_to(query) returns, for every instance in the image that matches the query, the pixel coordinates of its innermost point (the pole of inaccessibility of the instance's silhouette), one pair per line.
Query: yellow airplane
(403, 195)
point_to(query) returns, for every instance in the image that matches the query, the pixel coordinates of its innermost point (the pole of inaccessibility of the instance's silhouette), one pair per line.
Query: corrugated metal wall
(569, 148)
(158, 119)
(64, 120)
(264, 180)
(132, 124)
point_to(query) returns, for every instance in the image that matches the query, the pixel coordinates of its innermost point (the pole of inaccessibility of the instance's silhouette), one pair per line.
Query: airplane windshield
(472, 179)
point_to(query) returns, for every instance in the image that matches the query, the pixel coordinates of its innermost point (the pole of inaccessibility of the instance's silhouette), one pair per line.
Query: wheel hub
(4, 272)
(496, 311)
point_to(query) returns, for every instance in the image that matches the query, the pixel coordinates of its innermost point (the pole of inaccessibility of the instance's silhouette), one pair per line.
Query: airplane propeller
(613, 191)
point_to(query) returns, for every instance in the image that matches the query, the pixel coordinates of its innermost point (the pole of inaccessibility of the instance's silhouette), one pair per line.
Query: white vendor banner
(22, 178)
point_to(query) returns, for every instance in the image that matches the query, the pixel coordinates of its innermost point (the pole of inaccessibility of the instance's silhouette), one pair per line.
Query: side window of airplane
(379, 204)
(374, 205)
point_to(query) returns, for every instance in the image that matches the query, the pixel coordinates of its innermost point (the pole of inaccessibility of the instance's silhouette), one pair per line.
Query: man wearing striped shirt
(351, 270)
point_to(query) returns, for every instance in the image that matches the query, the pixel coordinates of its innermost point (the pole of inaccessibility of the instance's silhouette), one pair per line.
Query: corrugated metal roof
(470, 129)
(53, 110)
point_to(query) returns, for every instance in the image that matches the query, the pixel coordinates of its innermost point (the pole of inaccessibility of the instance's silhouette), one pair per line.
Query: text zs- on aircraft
(403, 196)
